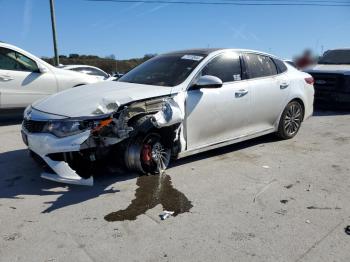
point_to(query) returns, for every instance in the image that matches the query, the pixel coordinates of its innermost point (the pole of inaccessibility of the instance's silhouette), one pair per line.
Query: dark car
(332, 79)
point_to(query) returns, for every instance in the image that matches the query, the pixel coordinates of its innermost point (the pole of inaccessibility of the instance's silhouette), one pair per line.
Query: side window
(11, 60)
(96, 72)
(280, 66)
(260, 66)
(7, 62)
(27, 63)
(227, 67)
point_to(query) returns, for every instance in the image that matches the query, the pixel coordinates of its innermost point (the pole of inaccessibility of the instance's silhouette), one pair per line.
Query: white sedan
(171, 106)
(90, 70)
(25, 78)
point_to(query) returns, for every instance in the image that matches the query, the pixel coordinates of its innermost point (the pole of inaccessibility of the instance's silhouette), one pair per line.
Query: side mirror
(207, 82)
(42, 69)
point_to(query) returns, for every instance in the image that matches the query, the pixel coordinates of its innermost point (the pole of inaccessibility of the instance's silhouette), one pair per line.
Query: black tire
(291, 120)
(147, 154)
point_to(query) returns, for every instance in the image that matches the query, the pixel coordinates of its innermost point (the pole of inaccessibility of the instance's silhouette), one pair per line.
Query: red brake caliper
(147, 154)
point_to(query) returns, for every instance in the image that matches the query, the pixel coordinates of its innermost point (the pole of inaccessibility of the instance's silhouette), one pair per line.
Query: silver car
(171, 106)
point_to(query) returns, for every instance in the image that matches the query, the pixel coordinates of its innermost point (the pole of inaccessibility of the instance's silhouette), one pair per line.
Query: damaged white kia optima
(171, 106)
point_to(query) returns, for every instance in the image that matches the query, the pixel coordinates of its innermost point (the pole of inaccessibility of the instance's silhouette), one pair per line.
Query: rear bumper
(45, 144)
(323, 97)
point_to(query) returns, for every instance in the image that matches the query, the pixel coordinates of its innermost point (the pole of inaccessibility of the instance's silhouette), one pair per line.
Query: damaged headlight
(66, 128)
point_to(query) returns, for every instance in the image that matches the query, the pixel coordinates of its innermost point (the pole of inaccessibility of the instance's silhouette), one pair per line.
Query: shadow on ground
(19, 177)
(11, 117)
(330, 112)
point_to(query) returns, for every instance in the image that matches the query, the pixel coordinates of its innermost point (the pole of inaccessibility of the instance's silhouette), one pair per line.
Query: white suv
(25, 78)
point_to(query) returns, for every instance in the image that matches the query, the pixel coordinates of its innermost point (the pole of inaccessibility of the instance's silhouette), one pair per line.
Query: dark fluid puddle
(152, 191)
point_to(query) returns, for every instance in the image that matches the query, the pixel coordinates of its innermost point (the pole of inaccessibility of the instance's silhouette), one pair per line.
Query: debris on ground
(12, 237)
(166, 214)
(323, 208)
(266, 167)
(281, 212)
(291, 185)
(347, 230)
(307, 221)
(308, 189)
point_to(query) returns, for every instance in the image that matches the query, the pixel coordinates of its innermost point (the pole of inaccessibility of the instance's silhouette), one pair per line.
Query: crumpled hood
(84, 100)
(340, 69)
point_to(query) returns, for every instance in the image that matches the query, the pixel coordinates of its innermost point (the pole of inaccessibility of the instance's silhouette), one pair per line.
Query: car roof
(208, 51)
(197, 51)
(340, 49)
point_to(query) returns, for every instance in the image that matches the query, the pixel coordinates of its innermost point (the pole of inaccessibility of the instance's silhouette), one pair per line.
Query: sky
(129, 30)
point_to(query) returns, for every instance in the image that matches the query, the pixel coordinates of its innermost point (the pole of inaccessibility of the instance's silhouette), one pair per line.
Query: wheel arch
(296, 98)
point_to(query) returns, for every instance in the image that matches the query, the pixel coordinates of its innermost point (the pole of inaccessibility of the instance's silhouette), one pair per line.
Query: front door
(214, 115)
(21, 83)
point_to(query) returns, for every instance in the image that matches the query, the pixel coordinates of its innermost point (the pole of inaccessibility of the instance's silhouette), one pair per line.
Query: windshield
(164, 70)
(336, 57)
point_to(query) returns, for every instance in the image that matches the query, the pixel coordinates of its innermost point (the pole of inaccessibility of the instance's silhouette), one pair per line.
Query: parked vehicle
(117, 75)
(173, 105)
(89, 70)
(25, 78)
(332, 78)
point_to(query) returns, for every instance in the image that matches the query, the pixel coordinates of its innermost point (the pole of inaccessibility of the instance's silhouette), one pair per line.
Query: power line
(238, 3)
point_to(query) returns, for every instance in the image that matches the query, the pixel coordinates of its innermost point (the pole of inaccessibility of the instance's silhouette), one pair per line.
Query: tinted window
(227, 67)
(164, 70)
(260, 65)
(280, 66)
(339, 57)
(11, 60)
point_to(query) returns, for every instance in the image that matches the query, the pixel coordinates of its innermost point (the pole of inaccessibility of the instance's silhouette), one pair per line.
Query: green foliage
(108, 64)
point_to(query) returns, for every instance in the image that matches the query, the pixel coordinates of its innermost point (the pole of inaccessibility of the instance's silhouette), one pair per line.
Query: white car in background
(25, 78)
(96, 72)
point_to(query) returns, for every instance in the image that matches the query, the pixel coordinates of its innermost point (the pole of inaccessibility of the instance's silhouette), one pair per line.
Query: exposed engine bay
(142, 135)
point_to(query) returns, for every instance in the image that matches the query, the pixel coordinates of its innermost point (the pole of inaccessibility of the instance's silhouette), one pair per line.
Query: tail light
(310, 80)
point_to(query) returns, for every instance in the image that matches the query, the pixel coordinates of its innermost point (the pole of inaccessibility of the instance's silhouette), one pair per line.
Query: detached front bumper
(44, 144)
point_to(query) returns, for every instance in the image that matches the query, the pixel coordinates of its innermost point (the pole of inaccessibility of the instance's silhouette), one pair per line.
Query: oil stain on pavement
(152, 191)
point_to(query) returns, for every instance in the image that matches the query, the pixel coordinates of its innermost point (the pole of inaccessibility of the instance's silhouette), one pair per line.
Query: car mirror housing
(207, 81)
(42, 69)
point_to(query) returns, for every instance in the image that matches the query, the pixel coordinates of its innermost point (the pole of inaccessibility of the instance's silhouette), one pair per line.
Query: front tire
(291, 120)
(147, 154)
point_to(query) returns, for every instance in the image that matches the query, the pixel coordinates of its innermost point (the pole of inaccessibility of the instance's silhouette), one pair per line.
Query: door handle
(284, 86)
(241, 93)
(6, 78)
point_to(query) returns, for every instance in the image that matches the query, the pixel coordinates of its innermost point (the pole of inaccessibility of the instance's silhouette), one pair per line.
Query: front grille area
(34, 126)
(330, 82)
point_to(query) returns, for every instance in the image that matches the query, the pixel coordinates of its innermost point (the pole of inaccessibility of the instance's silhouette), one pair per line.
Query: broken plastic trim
(170, 114)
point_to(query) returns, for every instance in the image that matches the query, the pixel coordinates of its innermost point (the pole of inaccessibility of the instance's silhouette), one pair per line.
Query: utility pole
(53, 23)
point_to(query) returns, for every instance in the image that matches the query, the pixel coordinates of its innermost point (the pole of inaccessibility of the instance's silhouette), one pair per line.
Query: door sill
(224, 143)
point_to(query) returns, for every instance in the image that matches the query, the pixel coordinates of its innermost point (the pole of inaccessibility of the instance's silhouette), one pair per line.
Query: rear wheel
(291, 120)
(147, 154)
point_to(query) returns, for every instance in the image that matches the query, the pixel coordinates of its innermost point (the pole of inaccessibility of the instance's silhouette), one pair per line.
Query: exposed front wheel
(291, 120)
(147, 154)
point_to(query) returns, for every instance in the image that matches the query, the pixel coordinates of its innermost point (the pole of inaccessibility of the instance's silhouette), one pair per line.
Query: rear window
(260, 66)
(281, 66)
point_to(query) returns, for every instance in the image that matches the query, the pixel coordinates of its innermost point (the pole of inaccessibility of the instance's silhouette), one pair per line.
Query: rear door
(269, 89)
(21, 83)
(214, 115)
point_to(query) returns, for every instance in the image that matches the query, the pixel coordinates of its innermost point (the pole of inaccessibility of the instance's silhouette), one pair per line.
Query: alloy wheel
(293, 119)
